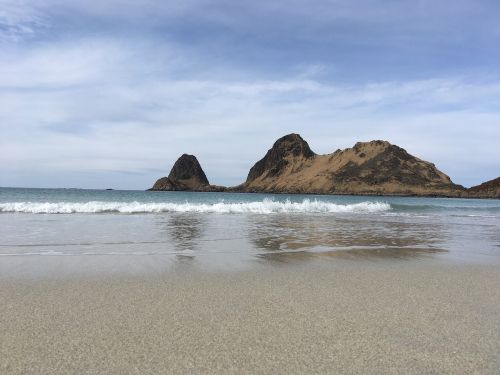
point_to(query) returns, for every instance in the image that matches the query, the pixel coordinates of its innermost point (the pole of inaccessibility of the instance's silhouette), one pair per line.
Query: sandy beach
(249, 187)
(343, 317)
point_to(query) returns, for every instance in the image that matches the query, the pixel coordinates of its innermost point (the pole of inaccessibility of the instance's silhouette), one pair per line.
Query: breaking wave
(265, 206)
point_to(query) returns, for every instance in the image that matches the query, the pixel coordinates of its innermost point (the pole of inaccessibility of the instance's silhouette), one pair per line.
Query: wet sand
(351, 317)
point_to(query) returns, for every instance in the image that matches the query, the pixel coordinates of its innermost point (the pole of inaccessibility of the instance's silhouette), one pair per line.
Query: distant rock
(188, 170)
(374, 168)
(488, 189)
(186, 175)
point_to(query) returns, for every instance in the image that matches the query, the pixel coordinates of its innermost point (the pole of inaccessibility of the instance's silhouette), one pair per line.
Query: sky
(108, 94)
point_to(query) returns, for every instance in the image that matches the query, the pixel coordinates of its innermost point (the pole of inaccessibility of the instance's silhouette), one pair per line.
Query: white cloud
(98, 117)
(56, 66)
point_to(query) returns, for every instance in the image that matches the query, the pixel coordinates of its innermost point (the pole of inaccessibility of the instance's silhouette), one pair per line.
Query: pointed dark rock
(275, 160)
(186, 168)
(186, 174)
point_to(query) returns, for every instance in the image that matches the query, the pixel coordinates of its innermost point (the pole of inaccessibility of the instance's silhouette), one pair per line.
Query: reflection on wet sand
(494, 235)
(353, 254)
(303, 238)
(184, 230)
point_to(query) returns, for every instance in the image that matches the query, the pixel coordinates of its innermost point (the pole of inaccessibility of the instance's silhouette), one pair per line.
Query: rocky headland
(488, 189)
(368, 168)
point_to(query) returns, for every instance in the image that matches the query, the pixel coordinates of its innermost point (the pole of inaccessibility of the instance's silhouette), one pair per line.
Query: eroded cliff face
(488, 189)
(186, 175)
(375, 167)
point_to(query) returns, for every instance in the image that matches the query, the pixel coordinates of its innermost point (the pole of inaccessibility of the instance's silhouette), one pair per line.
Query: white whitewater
(266, 206)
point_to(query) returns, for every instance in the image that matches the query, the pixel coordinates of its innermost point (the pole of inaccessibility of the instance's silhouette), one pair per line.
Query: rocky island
(374, 168)
(186, 175)
(368, 168)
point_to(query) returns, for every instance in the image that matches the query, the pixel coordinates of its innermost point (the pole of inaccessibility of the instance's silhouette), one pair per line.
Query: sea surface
(46, 231)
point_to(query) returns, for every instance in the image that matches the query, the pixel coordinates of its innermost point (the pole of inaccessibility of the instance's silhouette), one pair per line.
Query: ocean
(46, 231)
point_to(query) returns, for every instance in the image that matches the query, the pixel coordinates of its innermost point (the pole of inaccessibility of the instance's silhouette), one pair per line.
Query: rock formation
(488, 189)
(368, 168)
(285, 150)
(186, 174)
(375, 168)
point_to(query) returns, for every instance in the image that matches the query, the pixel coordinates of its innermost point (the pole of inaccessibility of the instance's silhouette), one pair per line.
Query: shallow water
(41, 229)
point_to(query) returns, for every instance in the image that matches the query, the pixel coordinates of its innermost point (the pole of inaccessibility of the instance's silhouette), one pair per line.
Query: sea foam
(265, 206)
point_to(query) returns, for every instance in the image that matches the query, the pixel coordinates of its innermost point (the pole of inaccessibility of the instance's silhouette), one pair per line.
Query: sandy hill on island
(368, 168)
(489, 189)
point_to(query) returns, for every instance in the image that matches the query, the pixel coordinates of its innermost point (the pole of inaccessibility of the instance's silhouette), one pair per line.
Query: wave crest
(261, 207)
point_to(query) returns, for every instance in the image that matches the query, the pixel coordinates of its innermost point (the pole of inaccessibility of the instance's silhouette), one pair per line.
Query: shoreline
(356, 317)
(325, 194)
(264, 192)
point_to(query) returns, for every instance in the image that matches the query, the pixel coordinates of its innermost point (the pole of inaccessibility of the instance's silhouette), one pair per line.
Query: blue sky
(109, 94)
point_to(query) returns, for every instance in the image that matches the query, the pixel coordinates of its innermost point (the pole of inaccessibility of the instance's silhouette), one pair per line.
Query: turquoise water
(232, 231)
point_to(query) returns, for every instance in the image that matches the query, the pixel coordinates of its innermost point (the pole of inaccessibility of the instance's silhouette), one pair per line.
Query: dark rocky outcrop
(488, 189)
(186, 174)
(187, 168)
(276, 159)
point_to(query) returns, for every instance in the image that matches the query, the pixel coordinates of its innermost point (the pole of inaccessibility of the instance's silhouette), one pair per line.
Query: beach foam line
(265, 206)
